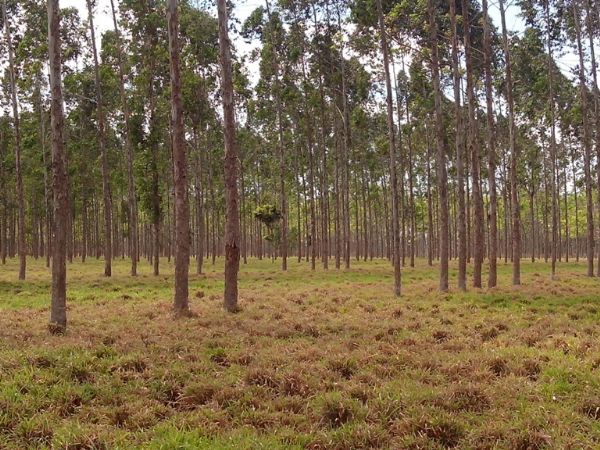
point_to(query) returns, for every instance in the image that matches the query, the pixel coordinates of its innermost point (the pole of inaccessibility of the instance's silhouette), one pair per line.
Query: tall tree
(232, 225)
(392, 153)
(587, 151)
(132, 196)
(477, 198)
(182, 230)
(512, 142)
(100, 119)
(442, 176)
(460, 149)
(58, 310)
(491, 144)
(21, 243)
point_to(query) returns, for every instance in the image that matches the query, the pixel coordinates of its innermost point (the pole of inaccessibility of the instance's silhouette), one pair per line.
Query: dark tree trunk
(232, 226)
(58, 310)
(182, 230)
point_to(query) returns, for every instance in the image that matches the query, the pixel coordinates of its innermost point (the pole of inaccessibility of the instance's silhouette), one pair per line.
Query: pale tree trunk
(106, 195)
(589, 21)
(478, 236)
(182, 230)
(131, 193)
(282, 165)
(491, 144)
(459, 148)
(232, 225)
(392, 154)
(58, 310)
(514, 155)
(587, 151)
(21, 245)
(441, 149)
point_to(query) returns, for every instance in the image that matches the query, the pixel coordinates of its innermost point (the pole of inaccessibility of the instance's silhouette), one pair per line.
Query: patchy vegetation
(317, 360)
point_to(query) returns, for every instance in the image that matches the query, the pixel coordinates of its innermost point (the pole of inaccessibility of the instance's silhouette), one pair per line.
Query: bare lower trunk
(58, 310)
(21, 246)
(232, 226)
(441, 150)
(392, 154)
(182, 226)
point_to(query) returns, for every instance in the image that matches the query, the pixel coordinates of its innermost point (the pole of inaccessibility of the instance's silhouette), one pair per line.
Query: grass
(317, 360)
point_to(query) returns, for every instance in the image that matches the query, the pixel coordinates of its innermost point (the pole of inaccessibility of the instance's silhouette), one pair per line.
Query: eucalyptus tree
(58, 310)
(182, 233)
(22, 249)
(101, 124)
(232, 227)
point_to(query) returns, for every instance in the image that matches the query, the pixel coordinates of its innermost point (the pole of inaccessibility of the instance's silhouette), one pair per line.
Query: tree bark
(182, 231)
(493, 217)
(587, 152)
(21, 244)
(392, 153)
(58, 310)
(441, 149)
(232, 226)
(106, 194)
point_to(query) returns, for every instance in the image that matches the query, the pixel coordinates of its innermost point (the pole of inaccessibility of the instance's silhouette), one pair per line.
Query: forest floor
(318, 360)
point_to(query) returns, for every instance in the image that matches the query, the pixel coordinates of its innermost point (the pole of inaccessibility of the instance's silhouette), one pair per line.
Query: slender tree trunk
(587, 151)
(515, 206)
(493, 217)
(392, 153)
(58, 310)
(442, 176)
(131, 193)
(478, 241)
(21, 244)
(459, 149)
(182, 231)
(106, 194)
(232, 225)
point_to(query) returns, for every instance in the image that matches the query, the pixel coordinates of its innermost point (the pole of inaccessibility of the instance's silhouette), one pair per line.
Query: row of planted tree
(366, 129)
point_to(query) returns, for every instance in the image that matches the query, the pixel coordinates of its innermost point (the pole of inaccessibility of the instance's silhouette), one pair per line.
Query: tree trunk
(478, 238)
(106, 194)
(493, 217)
(392, 153)
(232, 226)
(442, 176)
(182, 231)
(587, 153)
(515, 206)
(58, 310)
(21, 244)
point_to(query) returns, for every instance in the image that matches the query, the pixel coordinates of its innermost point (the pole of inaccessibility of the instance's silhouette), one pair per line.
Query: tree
(132, 196)
(392, 154)
(106, 191)
(491, 144)
(232, 226)
(58, 310)
(442, 177)
(182, 230)
(478, 241)
(512, 140)
(460, 150)
(22, 250)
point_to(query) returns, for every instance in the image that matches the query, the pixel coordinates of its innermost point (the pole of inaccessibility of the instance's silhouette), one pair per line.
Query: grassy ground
(322, 360)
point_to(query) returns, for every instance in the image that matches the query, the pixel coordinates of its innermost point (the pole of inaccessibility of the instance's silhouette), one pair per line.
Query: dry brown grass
(324, 360)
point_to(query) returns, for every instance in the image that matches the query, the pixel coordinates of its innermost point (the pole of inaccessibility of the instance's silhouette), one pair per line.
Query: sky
(243, 8)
